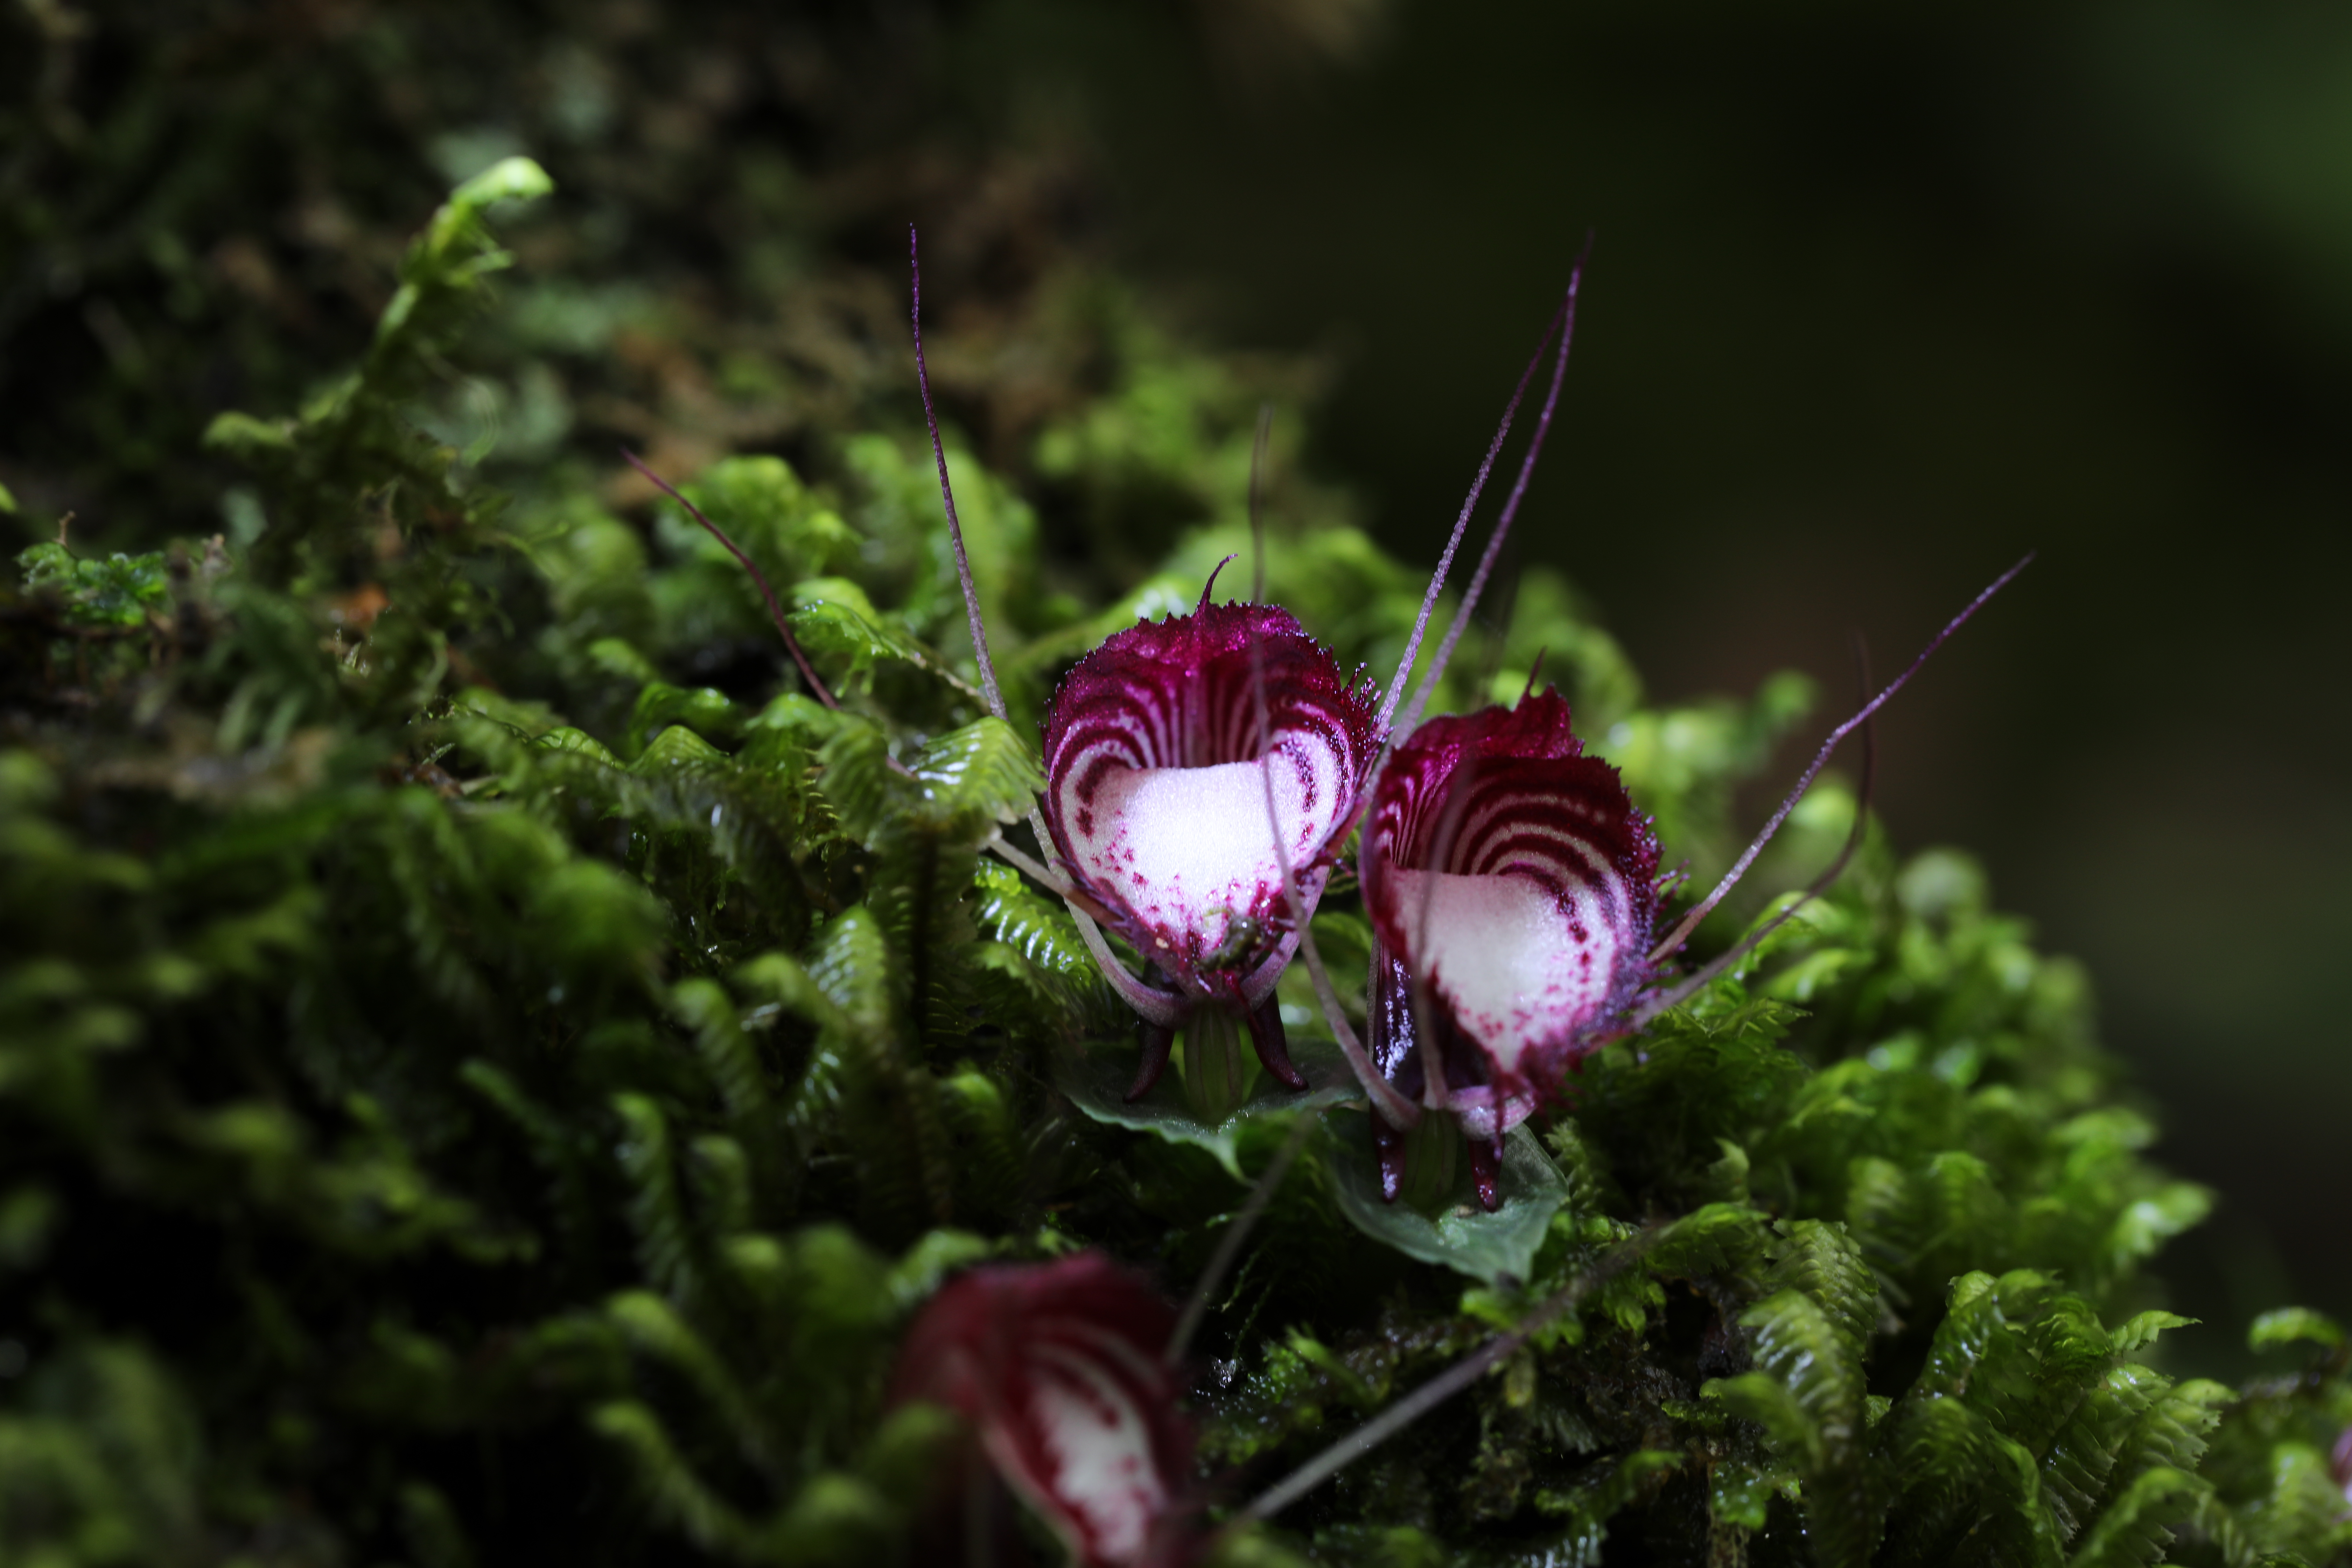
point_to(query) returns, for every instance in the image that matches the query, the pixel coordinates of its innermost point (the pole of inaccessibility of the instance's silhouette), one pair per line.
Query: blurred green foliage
(488, 1063)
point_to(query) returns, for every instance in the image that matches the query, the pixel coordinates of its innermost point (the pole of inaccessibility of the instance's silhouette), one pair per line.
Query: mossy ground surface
(488, 1065)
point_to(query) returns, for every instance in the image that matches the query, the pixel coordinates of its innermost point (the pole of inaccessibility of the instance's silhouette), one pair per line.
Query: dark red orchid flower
(1059, 1368)
(1159, 746)
(1512, 878)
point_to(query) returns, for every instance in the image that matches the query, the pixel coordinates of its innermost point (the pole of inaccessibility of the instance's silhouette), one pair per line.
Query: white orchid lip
(1191, 848)
(1513, 960)
(1510, 878)
(1058, 1367)
(1160, 747)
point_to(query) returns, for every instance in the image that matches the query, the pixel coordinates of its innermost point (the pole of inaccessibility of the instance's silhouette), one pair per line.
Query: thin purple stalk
(758, 578)
(988, 687)
(1462, 522)
(1699, 912)
(1257, 519)
(1401, 1112)
(1666, 1002)
(1020, 861)
(1511, 509)
(1137, 995)
(1438, 1389)
(1229, 1246)
(1863, 791)
(1160, 1007)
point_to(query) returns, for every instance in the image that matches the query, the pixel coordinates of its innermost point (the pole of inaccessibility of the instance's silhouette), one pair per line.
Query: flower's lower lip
(1190, 853)
(1516, 964)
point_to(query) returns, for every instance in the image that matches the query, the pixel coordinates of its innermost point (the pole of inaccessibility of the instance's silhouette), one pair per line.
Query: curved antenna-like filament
(947, 492)
(1020, 861)
(1441, 1388)
(1461, 621)
(1706, 976)
(1161, 1007)
(758, 578)
(1257, 519)
(1156, 1006)
(1462, 520)
(1699, 912)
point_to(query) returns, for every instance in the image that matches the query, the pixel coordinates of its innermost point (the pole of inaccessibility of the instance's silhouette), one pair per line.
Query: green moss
(488, 1064)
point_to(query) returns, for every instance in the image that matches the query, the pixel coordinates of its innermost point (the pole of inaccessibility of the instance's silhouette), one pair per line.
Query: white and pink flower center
(1516, 962)
(1511, 875)
(1191, 851)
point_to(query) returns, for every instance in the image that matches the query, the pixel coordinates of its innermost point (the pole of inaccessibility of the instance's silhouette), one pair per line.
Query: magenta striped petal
(1057, 1365)
(1512, 874)
(1155, 795)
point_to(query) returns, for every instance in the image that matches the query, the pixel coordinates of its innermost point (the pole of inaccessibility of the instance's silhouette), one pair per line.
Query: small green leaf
(2294, 1325)
(677, 747)
(931, 1260)
(1096, 1074)
(1463, 1238)
(1789, 1431)
(1737, 1493)
(983, 771)
(2136, 1528)
(833, 615)
(246, 436)
(1716, 1239)
(567, 741)
(850, 963)
(119, 591)
(704, 710)
(2141, 1331)
(507, 180)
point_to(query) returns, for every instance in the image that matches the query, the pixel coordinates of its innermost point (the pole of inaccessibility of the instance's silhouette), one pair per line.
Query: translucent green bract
(1464, 1236)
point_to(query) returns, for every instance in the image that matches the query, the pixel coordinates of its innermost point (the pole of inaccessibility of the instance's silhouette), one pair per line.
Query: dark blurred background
(1879, 299)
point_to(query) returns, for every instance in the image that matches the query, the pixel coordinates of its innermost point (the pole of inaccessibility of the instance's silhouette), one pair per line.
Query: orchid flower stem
(989, 690)
(1699, 912)
(1439, 1389)
(1401, 1112)
(1229, 1246)
(759, 579)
